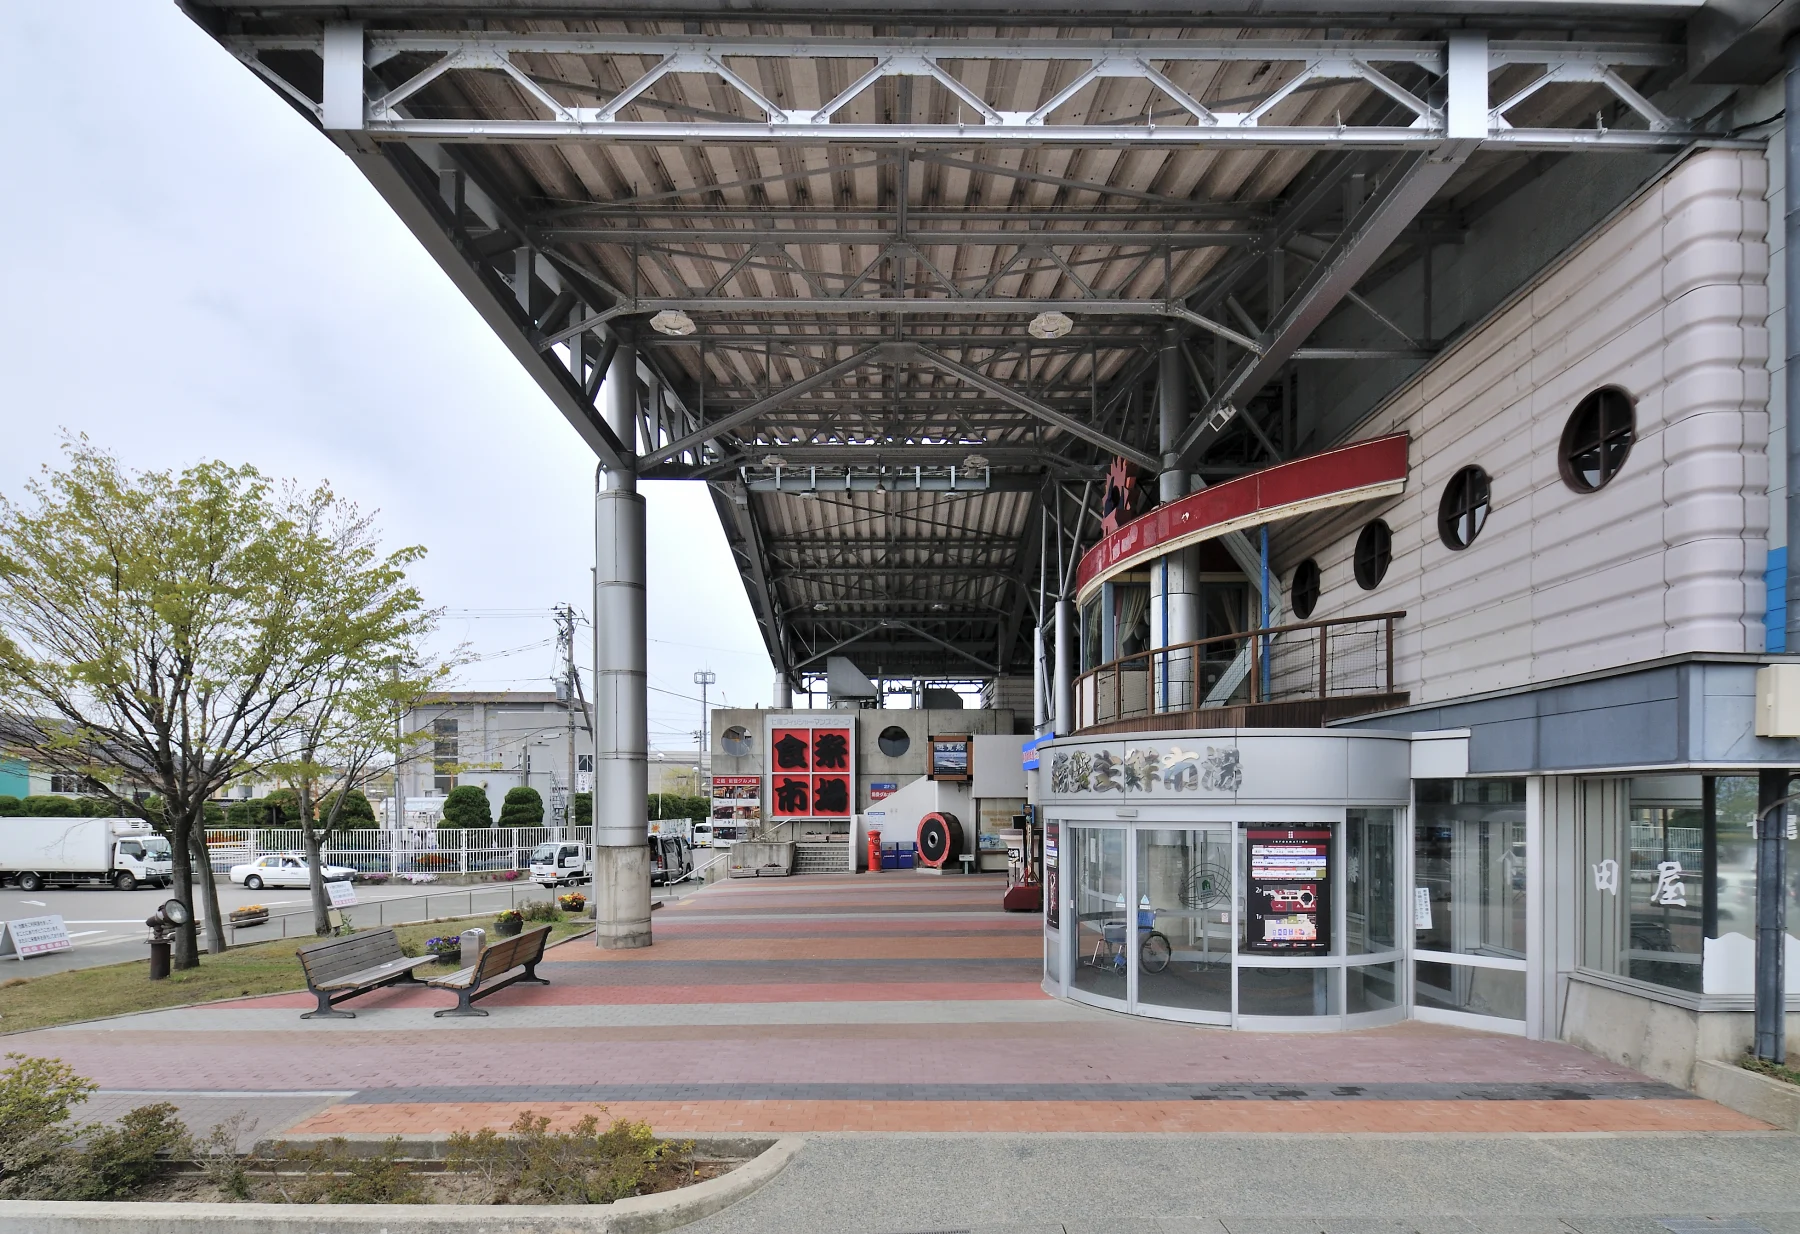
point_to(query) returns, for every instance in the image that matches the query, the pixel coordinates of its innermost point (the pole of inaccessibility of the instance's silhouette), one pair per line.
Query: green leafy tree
(366, 631)
(584, 809)
(167, 630)
(47, 805)
(10, 806)
(466, 805)
(523, 807)
(678, 805)
(357, 812)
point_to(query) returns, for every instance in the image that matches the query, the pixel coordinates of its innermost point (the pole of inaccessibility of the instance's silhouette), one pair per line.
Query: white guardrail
(399, 910)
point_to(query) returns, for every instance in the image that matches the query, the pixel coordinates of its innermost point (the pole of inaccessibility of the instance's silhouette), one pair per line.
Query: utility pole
(565, 643)
(704, 678)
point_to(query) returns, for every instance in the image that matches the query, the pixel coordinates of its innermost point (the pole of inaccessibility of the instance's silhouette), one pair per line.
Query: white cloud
(194, 271)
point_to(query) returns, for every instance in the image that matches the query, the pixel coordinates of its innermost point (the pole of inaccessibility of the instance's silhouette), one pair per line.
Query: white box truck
(83, 852)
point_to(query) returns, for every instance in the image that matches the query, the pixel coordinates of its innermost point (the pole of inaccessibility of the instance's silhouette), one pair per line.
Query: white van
(703, 835)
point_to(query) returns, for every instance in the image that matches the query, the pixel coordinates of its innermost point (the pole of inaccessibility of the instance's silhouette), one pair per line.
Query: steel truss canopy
(902, 284)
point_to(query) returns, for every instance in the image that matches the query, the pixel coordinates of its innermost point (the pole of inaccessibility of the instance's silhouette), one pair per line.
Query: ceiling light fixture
(674, 322)
(975, 462)
(820, 606)
(1050, 325)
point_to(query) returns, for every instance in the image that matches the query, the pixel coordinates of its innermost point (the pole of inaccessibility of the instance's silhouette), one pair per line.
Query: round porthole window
(893, 741)
(1374, 550)
(1597, 439)
(736, 741)
(1304, 591)
(1463, 510)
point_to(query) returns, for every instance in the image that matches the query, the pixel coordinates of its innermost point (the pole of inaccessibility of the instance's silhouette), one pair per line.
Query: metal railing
(297, 921)
(1314, 660)
(396, 854)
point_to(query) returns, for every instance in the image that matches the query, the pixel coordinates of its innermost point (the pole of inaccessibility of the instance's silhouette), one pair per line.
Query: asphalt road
(107, 926)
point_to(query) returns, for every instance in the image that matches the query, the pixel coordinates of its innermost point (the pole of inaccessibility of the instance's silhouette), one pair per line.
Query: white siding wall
(1668, 301)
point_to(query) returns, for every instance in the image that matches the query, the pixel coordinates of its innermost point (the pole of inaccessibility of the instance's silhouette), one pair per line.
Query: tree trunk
(315, 864)
(209, 890)
(186, 951)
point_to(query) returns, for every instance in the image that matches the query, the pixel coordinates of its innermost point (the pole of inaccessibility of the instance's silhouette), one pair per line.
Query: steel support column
(621, 679)
(1065, 668)
(1771, 910)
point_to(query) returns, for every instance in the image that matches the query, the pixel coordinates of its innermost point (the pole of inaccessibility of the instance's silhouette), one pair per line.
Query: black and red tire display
(940, 839)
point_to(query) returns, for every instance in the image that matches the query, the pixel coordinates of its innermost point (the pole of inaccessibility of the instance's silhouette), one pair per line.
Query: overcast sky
(194, 271)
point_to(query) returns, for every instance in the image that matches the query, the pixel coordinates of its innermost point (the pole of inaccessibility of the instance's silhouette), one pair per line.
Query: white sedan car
(284, 870)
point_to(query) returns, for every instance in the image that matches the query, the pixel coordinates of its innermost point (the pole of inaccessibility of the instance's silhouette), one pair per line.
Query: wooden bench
(487, 974)
(342, 968)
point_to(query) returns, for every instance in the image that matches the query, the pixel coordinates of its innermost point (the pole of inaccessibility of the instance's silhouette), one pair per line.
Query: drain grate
(1699, 1225)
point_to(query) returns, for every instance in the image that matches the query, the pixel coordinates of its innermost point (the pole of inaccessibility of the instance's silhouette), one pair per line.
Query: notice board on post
(1289, 900)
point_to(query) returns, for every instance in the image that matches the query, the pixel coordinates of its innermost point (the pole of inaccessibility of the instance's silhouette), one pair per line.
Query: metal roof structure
(903, 277)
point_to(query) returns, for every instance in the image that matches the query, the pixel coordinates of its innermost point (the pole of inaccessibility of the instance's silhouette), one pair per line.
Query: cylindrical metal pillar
(1040, 677)
(1064, 685)
(1771, 910)
(1791, 148)
(784, 692)
(621, 679)
(1171, 418)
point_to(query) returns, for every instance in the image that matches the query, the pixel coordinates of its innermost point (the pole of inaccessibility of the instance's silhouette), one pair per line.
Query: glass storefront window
(1370, 901)
(1095, 865)
(1184, 880)
(1371, 987)
(1469, 856)
(1669, 862)
(1466, 988)
(1287, 991)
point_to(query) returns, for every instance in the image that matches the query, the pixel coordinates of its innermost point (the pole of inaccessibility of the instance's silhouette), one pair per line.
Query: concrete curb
(1774, 1101)
(647, 1214)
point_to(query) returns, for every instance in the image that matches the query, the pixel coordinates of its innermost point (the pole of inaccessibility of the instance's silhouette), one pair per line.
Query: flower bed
(249, 914)
(574, 902)
(509, 923)
(447, 950)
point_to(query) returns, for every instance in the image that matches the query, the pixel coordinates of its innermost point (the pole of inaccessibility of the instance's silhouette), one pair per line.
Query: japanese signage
(810, 772)
(881, 790)
(1289, 897)
(949, 758)
(34, 936)
(1147, 769)
(1052, 879)
(342, 893)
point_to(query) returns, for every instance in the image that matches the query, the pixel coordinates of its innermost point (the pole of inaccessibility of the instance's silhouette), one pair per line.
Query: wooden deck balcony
(1293, 676)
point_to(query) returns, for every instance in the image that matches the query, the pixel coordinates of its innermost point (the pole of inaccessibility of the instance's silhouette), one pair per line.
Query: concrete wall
(1668, 301)
(872, 766)
(1659, 1039)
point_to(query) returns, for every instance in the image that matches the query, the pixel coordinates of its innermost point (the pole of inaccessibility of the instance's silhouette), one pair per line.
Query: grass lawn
(261, 968)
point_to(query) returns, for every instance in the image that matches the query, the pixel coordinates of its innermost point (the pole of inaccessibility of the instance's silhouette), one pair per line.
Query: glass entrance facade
(1278, 923)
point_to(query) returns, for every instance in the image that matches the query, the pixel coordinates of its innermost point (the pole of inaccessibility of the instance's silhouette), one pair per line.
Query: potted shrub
(447, 950)
(509, 923)
(250, 914)
(574, 902)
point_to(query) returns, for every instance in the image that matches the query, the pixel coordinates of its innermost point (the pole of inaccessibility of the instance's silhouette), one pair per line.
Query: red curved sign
(1340, 477)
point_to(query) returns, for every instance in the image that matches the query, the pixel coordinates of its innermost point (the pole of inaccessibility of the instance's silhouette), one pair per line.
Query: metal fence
(398, 910)
(443, 850)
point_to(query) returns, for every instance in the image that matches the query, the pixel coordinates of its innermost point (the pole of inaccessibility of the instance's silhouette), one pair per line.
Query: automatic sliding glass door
(1184, 896)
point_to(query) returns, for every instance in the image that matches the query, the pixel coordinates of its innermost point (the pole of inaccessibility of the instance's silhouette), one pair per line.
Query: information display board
(31, 936)
(341, 892)
(1289, 900)
(950, 757)
(1052, 877)
(810, 771)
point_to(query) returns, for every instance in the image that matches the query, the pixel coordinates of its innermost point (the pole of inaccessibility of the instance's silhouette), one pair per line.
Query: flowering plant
(247, 909)
(445, 946)
(573, 902)
(511, 916)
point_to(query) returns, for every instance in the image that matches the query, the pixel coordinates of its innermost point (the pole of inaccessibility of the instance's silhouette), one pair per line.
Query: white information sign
(34, 936)
(1421, 908)
(342, 892)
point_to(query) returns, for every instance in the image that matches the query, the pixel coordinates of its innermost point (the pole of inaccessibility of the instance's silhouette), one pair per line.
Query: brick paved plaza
(893, 1003)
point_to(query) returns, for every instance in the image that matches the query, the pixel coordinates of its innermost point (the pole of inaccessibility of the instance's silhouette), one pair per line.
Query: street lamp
(704, 678)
